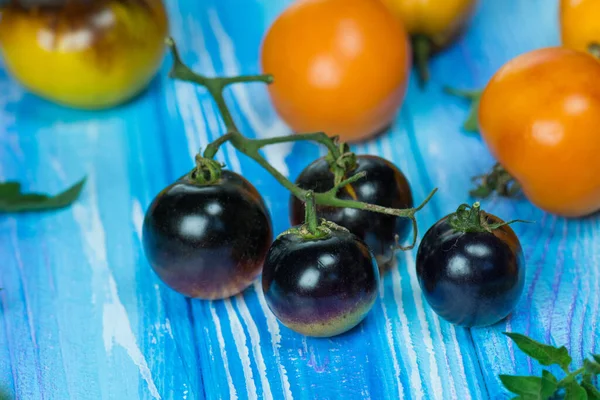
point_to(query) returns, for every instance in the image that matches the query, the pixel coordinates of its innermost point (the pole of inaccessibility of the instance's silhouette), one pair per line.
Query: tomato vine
(207, 170)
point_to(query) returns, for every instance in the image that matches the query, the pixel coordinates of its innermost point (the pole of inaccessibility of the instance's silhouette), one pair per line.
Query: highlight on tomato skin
(320, 287)
(579, 25)
(539, 116)
(84, 54)
(340, 66)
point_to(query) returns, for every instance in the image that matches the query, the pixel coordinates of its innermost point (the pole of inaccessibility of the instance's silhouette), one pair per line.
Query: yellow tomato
(580, 24)
(85, 54)
(433, 24)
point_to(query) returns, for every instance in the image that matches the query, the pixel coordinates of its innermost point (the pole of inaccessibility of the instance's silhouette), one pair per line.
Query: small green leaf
(12, 200)
(575, 392)
(596, 357)
(592, 392)
(544, 354)
(591, 367)
(471, 124)
(548, 386)
(522, 385)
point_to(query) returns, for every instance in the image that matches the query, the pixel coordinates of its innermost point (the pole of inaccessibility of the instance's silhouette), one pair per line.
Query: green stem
(570, 376)
(251, 148)
(213, 147)
(594, 49)
(310, 213)
(466, 94)
(422, 52)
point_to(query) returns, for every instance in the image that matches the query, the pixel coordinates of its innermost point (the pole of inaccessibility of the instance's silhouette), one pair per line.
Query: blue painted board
(82, 316)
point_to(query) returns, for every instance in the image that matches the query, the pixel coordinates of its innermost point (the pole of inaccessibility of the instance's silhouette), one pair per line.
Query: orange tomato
(540, 115)
(580, 23)
(84, 54)
(340, 66)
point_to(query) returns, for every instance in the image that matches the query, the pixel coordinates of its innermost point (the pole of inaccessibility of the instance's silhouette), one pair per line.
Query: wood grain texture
(82, 316)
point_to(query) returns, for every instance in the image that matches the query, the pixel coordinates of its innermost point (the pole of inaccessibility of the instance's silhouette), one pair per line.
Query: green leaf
(592, 392)
(530, 387)
(575, 392)
(544, 354)
(13, 200)
(471, 124)
(596, 357)
(591, 367)
(548, 386)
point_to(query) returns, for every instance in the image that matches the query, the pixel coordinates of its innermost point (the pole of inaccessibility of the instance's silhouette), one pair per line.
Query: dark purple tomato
(471, 278)
(320, 287)
(384, 185)
(208, 241)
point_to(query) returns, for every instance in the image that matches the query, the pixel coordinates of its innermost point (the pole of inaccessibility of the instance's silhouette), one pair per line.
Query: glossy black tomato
(470, 267)
(383, 185)
(320, 287)
(208, 241)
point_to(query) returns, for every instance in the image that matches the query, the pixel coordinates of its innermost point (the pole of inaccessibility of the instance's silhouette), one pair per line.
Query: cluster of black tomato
(211, 241)
(209, 235)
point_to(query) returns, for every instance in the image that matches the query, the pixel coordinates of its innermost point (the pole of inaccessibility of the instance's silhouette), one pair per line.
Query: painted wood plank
(80, 319)
(559, 305)
(414, 355)
(84, 317)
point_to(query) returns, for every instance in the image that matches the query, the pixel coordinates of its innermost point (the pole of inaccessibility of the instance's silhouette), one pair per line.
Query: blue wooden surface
(82, 316)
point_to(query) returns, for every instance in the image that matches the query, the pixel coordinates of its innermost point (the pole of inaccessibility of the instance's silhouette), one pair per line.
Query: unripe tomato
(540, 115)
(340, 66)
(85, 54)
(579, 23)
(432, 24)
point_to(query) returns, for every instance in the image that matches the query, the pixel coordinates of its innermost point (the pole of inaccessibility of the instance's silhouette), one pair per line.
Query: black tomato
(383, 185)
(470, 267)
(208, 241)
(320, 287)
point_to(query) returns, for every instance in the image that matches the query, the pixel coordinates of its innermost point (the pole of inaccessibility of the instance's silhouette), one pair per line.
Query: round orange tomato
(580, 26)
(540, 115)
(340, 66)
(84, 54)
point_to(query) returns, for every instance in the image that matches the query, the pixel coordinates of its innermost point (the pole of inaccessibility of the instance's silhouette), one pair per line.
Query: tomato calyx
(313, 228)
(497, 180)
(207, 171)
(470, 219)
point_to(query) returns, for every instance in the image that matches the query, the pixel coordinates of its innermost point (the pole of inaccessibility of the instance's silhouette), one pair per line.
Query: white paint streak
(390, 339)
(232, 392)
(436, 383)
(239, 338)
(255, 341)
(137, 216)
(415, 378)
(273, 328)
(116, 326)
